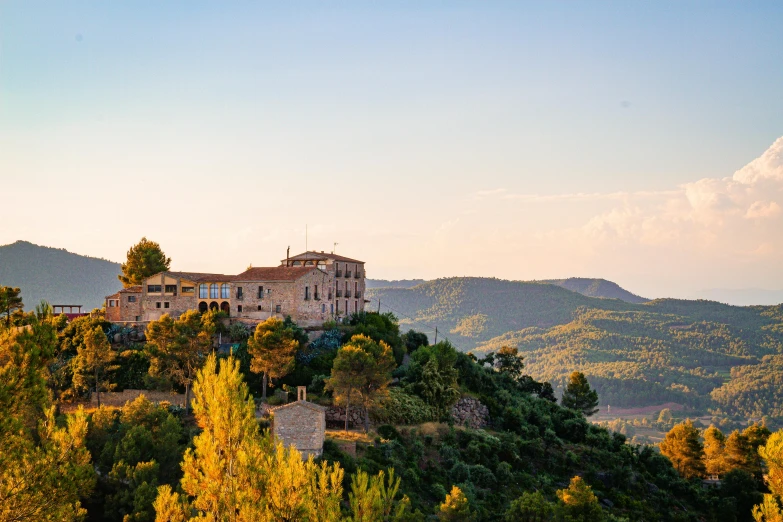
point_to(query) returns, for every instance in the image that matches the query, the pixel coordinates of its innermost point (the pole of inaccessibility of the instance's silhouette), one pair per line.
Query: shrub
(400, 408)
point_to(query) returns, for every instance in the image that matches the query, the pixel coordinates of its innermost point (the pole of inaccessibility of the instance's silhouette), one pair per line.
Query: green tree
(509, 361)
(44, 468)
(234, 473)
(578, 503)
(579, 396)
(10, 301)
(373, 499)
(737, 452)
(684, 450)
(530, 507)
(94, 357)
(145, 258)
(272, 348)
(178, 348)
(361, 370)
(770, 510)
(714, 444)
(456, 507)
(434, 376)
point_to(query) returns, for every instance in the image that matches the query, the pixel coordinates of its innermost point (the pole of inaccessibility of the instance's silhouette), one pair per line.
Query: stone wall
(470, 412)
(336, 415)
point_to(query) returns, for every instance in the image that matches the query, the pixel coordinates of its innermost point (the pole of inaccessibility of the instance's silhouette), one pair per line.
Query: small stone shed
(301, 424)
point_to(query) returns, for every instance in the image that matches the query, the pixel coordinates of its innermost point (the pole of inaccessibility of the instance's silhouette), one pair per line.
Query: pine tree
(235, 473)
(178, 348)
(683, 448)
(95, 356)
(578, 503)
(579, 396)
(737, 452)
(145, 259)
(714, 443)
(362, 369)
(272, 347)
(456, 507)
(770, 510)
(530, 507)
(373, 499)
(10, 301)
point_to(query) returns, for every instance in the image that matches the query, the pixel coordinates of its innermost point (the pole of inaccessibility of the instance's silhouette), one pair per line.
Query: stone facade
(301, 424)
(124, 306)
(311, 288)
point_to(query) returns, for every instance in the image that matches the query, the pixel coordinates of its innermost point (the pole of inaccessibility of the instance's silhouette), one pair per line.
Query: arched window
(296, 263)
(202, 306)
(202, 292)
(225, 292)
(213, 291)
(213, 306)
(224, 307)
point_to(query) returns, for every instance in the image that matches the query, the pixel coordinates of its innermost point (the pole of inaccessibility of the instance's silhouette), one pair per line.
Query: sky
(637, 142)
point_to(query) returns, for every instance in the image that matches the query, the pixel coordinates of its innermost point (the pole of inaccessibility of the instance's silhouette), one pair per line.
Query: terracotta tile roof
(131, 290)
(300, 404)
(113, 296)
(198, 276)
(322, 255)
(276, 273)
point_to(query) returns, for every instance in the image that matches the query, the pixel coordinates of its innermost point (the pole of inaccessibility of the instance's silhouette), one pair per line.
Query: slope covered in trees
(57, 275)
(597, 288)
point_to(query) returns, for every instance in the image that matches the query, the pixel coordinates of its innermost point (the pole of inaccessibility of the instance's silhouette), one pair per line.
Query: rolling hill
(56, 275)
(702, 354)
(597, 288)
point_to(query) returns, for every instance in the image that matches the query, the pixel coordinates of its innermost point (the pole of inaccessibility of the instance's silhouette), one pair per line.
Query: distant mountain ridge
(56, 275)
(597, 288)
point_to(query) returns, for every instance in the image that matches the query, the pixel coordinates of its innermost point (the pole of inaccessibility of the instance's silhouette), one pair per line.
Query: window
(307, 293)
(131, 298)
(278, 308)
(239, 292)
(239, 309)
(225, 291)
(317, 297)
(259, 308)
(187, 290)
(260, 292)
(157, 305)
(347, 310)
(323, 308)
(355, 306)
(331, 308)
(202, 291)
(152, 289)
(138, 318)
(297, 263)
(111, 303)
(213, 291)
(171, 289)
(166, 304)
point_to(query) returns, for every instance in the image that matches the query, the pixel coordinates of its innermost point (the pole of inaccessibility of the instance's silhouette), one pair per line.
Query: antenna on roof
(287, 255)
(334, 249)
(306, 239)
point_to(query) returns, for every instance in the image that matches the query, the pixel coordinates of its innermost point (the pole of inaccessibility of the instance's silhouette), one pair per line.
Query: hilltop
(597, 288)
(56, 275)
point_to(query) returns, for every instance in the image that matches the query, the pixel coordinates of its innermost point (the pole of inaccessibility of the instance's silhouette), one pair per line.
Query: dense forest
(535, 460)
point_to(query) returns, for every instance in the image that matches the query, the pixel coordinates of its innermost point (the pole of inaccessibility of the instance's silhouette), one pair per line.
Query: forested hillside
(703, 354)
(57, 275)
(597, 288)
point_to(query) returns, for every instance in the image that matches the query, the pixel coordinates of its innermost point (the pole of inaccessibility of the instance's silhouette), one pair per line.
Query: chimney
(301, 394)
(287, 256)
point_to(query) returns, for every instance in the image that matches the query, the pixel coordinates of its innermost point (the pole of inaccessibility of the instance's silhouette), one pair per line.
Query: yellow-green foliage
(471, 326)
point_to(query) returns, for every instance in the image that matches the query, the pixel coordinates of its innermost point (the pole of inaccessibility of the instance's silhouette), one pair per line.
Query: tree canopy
(145, 258)
(683, 447)
(272, 348)
(579, 396)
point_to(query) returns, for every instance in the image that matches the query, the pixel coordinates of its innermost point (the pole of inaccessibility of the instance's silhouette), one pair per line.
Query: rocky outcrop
(470, 412)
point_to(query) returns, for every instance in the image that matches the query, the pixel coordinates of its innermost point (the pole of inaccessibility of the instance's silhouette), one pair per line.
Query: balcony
(338, 273)
(358, 295)
(357, 275)
(317, 297)
(347, 273)
(339, 293)
(347, 293)
(330, 296)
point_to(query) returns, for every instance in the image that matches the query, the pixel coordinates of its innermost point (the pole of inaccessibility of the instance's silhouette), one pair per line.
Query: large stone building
(311, 288)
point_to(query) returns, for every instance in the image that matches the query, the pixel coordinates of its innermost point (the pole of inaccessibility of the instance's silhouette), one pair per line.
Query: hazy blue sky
(517, 140)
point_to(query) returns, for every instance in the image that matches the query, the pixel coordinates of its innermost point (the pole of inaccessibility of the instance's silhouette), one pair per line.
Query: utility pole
(436, 335)
(379, 306)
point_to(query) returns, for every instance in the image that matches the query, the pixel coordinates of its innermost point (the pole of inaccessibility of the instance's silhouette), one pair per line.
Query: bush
(400, 408)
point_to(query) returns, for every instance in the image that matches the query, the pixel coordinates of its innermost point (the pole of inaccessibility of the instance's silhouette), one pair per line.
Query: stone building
(301, 424)
(348, 274)
(124, 306)
(311, 288)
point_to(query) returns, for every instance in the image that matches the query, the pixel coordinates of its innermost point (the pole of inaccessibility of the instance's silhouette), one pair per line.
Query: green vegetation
(579, 396)
(145, 258)
(272, 348)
